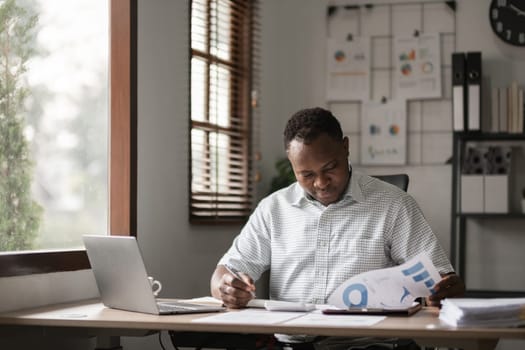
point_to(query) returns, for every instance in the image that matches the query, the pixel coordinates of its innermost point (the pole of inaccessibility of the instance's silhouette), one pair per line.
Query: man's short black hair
(307, 124)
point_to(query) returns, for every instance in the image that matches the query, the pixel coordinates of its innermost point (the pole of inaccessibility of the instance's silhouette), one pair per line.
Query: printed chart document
(384, 132)
(418, 66)
(392, 287)
(348, 69)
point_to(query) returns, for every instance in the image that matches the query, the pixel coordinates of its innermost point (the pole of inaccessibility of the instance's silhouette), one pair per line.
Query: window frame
(243, 112)
(122, 153)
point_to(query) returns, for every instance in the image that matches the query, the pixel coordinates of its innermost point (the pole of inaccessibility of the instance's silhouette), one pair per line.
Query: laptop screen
(120, 273)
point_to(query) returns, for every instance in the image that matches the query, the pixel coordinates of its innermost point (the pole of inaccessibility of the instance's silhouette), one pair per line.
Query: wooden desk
(92, 318)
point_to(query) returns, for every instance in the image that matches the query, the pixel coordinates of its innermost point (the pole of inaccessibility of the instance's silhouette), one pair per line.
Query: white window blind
(223, 66)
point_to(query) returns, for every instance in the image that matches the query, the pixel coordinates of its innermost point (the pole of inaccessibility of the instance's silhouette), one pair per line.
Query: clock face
(507, 19)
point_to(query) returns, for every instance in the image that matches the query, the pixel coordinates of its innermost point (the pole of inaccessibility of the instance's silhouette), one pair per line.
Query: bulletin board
(380, 25)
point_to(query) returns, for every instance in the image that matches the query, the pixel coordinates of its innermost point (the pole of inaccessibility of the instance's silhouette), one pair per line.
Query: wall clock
(507, 20)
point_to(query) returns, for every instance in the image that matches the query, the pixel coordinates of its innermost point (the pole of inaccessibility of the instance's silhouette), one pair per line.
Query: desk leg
(105, 342)
(464, 344)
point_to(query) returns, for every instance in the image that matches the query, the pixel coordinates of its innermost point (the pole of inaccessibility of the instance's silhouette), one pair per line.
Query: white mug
(156, 286)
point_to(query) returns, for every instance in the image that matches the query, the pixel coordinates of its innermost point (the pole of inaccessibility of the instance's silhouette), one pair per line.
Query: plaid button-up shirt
(311, 249)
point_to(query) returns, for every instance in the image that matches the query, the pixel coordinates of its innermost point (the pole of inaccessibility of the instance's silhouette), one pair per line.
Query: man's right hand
(234, 292)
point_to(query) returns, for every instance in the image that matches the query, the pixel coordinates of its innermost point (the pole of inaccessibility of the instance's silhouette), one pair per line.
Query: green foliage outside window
(20, 215)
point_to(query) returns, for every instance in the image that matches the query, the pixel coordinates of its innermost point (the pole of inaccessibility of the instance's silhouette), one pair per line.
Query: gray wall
(183, 256)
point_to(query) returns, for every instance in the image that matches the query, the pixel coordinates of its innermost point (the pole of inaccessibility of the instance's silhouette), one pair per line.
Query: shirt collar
(299, 196)
(353, 191)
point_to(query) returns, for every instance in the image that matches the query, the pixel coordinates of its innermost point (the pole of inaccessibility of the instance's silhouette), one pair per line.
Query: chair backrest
(399, 180)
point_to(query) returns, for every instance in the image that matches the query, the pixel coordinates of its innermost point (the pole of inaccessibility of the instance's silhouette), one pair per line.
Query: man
(330, 225)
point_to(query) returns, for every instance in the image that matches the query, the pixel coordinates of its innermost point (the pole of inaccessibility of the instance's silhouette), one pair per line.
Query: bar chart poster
(384, 133)
(348, 69)
(417, 66)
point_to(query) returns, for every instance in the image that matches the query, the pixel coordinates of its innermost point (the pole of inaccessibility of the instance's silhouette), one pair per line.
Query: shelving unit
(459, 219)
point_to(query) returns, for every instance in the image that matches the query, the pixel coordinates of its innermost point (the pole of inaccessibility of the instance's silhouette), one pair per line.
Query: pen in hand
(236, 274)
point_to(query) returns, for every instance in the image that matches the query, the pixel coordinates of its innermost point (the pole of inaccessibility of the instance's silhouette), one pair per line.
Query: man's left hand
(450, 286)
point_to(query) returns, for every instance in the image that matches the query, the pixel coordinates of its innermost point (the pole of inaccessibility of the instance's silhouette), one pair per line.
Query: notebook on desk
(122, 279)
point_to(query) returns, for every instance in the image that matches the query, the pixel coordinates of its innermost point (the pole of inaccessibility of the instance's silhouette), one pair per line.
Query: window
(222, 81)
(54, 123)
(121, 193)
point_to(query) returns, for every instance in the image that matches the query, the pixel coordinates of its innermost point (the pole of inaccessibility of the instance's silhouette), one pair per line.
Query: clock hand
(518, 11)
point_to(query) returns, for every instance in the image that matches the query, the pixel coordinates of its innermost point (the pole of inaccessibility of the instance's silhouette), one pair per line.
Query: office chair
(399, 180)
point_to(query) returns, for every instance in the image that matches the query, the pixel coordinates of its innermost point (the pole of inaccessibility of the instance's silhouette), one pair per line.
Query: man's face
(321, 168)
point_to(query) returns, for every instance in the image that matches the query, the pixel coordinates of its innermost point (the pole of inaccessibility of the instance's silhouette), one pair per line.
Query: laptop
(122, 279)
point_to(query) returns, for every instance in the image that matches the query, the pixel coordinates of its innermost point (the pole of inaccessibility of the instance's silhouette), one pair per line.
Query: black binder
(473, 79)
(459, 92)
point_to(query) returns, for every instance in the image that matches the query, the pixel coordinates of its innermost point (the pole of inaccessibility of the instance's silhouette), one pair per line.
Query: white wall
(183, 256)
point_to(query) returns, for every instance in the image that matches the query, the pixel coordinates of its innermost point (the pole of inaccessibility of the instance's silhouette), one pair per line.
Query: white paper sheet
(317, 318)
(206, 300)
(250, 316)
(392, 287)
